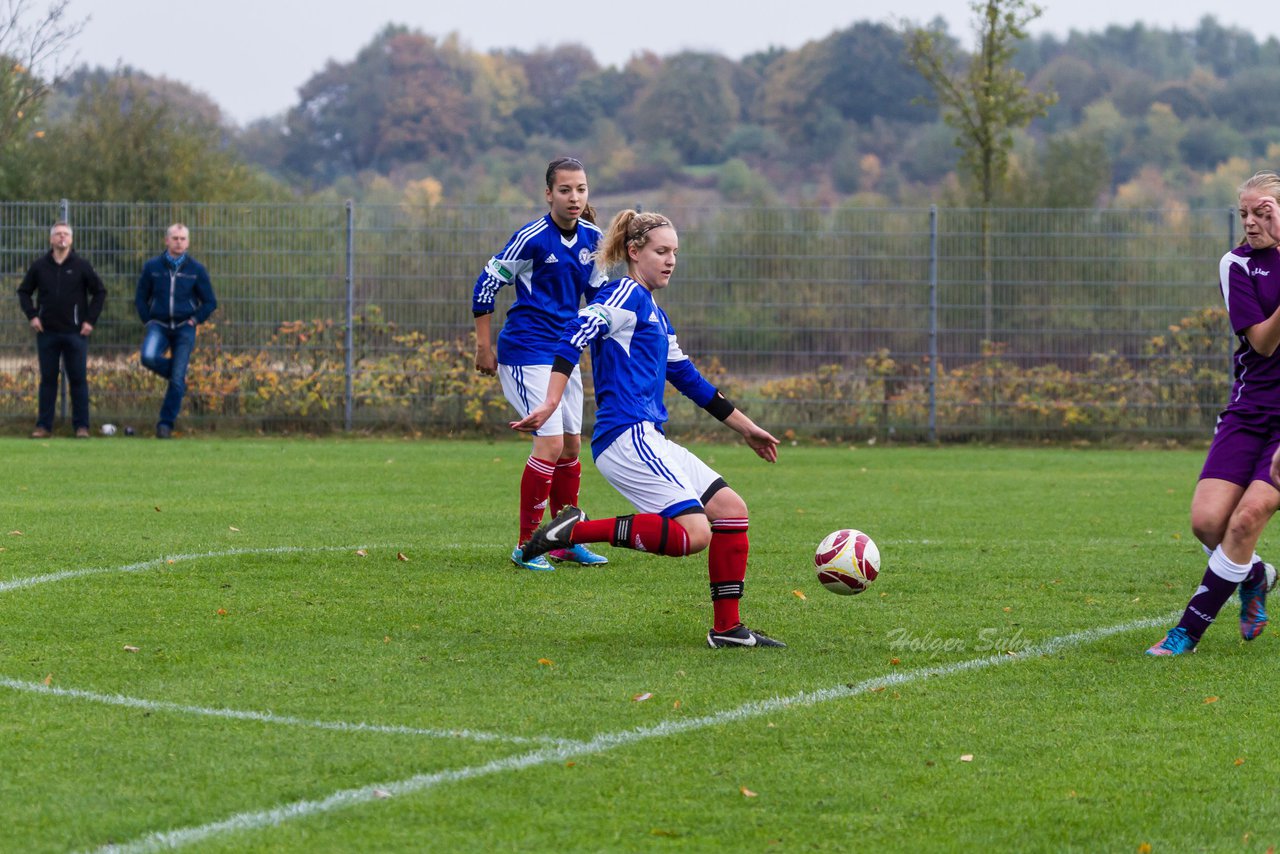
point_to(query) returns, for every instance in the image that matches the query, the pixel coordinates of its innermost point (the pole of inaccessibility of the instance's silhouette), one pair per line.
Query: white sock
(1225, 567)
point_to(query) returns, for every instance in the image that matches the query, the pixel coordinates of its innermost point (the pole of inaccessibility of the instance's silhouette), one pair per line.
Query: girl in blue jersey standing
(550, 264)
(683, 505)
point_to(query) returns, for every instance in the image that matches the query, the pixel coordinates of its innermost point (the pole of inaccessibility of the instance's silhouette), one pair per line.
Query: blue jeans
(72, 350)
(179, 343)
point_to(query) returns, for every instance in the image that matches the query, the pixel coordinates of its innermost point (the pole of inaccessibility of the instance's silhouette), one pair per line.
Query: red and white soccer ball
(847, 561)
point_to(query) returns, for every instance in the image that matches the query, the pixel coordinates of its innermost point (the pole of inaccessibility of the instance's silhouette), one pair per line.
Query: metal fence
(847, 323)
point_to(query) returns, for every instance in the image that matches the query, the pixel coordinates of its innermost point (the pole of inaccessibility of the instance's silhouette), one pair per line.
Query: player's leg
(670, 520)
(567, 479)
(726, 557)
(524, 386)
(1235, 456)
(1259, 504)
(1211, 508)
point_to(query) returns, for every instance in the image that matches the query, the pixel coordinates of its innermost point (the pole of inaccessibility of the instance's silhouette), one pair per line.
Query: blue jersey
(634, 353)
(551, 273)
(1250, 283)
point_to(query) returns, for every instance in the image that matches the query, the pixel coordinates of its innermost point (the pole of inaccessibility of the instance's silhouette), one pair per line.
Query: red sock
(535, 489)
(727, 567)
(645, 532)
(565, 484)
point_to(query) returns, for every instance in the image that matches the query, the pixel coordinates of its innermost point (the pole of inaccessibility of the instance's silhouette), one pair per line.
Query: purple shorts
(1242, 447)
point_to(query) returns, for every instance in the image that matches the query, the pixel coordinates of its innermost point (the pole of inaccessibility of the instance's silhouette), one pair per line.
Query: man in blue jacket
(174, 296)
(71, 297)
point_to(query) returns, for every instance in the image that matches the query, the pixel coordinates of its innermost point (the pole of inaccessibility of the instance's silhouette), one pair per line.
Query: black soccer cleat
(553, 535)
(740, 635)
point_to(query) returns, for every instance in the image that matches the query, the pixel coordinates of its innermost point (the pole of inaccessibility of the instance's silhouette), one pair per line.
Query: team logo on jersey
(584, 255)
(1259, 272)
(597, 312)
(551, 259)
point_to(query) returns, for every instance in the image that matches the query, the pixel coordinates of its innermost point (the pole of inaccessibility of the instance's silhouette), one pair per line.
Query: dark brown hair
(570, 164)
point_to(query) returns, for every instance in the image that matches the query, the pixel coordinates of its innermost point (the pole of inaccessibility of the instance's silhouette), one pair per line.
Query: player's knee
(1248, 520)
(548, 447)
(727, 504)
(1208, 528)
(697, 528)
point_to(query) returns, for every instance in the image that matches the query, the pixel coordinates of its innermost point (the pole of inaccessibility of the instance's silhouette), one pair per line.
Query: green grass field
(193, 654)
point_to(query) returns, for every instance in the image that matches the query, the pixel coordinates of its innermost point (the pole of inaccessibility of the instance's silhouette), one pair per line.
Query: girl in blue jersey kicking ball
(550, 263)
(683, 506)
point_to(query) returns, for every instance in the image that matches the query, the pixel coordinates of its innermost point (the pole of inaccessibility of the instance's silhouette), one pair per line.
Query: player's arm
(1243, 308)
(757, 438)
(682, 374)
(486, 356)
(1264, 337)
(560, 373)
(590, 323)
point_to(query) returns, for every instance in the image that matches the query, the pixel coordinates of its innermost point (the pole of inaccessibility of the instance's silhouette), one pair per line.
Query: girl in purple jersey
(683, 506)
(550, 265)
(1236, 496)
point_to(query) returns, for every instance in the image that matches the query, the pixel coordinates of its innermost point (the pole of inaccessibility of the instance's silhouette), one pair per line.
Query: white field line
(605, 741)
(271, 717)
(66, 575)
(236, 714)
(141, 566)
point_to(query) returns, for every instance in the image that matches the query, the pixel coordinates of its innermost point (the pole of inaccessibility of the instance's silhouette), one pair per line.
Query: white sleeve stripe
(620, 295)
(581, 338)
(525, 235)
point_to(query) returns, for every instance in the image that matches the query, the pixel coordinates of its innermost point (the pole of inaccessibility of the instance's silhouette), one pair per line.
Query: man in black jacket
(71, 299)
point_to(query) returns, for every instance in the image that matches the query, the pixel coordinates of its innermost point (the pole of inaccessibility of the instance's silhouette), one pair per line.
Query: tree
(124, 142)
(984, 100)
(31, 50)
(690, 102)
(407, 98)
(553, 102)
(856, 75)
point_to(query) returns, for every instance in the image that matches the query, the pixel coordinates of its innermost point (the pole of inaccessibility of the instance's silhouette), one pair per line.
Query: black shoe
(740, 635)
(164, 431)
(553, 535)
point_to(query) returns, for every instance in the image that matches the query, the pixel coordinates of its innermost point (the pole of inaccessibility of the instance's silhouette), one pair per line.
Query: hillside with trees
(1142, 117)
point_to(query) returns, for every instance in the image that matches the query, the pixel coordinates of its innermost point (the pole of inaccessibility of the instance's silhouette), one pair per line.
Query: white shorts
(655, 474)
(526, 387)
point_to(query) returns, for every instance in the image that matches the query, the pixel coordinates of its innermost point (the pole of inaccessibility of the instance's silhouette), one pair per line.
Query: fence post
(933, 324)
(64, 214)
(351, 314)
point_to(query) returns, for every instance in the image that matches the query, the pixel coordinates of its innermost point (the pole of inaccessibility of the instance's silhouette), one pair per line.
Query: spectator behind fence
(70, 301)
(174, 296)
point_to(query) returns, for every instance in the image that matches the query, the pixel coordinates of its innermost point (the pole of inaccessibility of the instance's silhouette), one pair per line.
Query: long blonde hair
(628, 228)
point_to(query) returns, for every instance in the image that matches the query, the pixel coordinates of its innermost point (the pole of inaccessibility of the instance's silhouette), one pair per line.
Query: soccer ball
(847, 561)
(108, 429)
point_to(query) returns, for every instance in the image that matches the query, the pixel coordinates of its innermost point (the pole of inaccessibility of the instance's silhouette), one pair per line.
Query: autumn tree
(984, 98)
(135, 138)
(407, 98)
(852, 76)
(557, 101)
(690, 103)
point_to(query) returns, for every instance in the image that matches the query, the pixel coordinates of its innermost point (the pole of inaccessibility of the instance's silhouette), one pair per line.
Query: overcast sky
(251, 56)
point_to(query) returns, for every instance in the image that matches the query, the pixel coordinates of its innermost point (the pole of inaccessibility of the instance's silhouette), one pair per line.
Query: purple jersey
(1250, 282)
